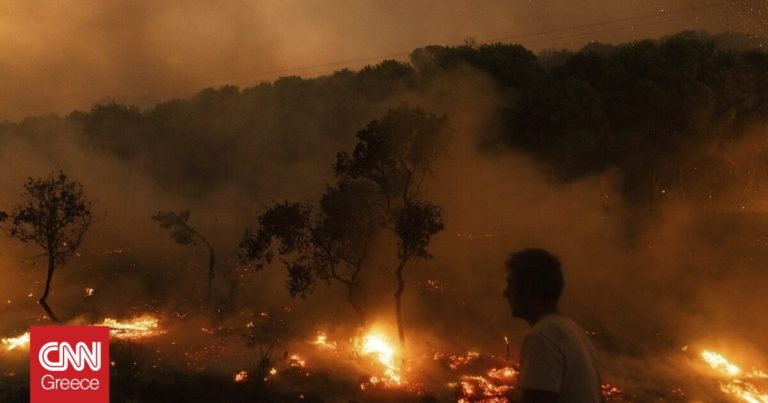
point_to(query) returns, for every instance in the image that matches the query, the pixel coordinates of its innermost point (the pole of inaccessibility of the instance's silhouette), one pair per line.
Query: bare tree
(55, 215)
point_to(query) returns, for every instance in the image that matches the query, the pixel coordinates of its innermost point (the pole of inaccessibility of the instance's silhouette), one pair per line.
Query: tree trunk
(398, 304)
(211, 263)
(358, 309)
(42, 300)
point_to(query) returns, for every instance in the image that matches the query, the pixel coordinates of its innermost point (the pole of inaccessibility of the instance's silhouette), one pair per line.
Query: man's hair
(539, 272)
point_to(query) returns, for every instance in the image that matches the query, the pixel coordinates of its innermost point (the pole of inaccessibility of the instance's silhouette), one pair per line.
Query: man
(557, 360)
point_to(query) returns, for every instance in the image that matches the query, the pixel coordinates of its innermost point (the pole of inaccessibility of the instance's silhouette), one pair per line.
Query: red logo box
(69, 364)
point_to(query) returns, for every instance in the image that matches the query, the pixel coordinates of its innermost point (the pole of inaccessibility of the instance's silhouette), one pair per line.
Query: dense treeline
(657, 111)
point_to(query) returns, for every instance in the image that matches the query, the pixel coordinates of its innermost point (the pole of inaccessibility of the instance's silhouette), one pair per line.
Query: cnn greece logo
(66, 364)
(77, 357)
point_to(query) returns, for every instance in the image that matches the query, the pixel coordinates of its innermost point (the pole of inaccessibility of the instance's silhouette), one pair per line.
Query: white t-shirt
(556, 356)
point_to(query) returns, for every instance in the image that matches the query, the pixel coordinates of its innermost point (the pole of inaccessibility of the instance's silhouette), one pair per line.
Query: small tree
(55, 215)
(184, 234)
(331, 245)
(395, 154)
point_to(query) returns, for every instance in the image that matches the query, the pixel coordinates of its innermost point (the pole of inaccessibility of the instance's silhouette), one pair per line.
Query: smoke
(690, 275)
(59, 57)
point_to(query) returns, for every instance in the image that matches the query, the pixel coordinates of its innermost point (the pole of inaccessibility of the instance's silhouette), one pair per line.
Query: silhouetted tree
(394, 154)
(55, 215)
(330, 245)
(184, 234)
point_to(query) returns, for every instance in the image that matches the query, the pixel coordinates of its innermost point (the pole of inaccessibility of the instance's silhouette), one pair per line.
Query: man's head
(534, 283)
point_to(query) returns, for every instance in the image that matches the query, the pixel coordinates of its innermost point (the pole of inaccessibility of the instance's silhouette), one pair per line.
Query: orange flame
(136, 328)
(20, 342)
(737, 387)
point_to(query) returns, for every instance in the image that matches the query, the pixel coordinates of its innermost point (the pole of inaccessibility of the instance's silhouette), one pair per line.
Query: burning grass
(735, 379)
(137, 328)
(366, 365)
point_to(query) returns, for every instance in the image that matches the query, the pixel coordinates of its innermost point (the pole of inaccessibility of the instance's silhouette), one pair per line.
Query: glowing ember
(88, 292)
(20, 342)
(376, 345)
(609, 390)
(434, 285)
(477, 388)
(136, 328)
(502, 373)
(458, 361)
(736, 387)
(321, 341)
(241, 376)
(297, 362)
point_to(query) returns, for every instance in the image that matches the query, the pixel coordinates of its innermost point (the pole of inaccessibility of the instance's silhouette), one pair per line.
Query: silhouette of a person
(557, 360)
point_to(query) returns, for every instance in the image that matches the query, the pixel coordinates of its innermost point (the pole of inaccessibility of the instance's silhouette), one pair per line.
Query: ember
(241, 376)
(476, 388)
(136, 328)
(297, 362)
(609, 390)
(502, 373)
(321, 341)
(456, 361)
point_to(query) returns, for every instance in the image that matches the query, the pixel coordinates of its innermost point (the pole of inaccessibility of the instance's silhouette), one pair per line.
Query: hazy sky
(57, 56)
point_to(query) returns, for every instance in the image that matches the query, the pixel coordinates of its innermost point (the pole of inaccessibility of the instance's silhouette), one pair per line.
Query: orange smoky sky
(59, 56)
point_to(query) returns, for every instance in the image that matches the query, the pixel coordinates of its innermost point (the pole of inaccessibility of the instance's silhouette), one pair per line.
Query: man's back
(557, 356)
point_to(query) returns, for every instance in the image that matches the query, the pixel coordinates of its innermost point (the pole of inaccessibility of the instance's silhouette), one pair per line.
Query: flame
(478, 388)
(20, 342)
(241, 376)
(737, 387)
(502, 373)
(88, 292)
(377, 345)
(458, 361)
(297, 362)
(136, 328)
(719, 363)
(322, 342)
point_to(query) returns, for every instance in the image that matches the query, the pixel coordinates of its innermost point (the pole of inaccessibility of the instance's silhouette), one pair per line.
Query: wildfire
(458, 361)
(241, 376)
(136, 328)
(737, 387)
(321, 341)
(502, 373)
(297, 362)
(377, 345)
(477, 388)
(20, 342)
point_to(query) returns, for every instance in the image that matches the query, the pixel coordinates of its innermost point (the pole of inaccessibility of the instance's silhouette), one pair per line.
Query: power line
(664, 14)
(498, 39)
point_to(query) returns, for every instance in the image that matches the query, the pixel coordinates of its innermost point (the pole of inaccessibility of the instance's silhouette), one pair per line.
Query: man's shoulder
(554, 321)
(556, 328)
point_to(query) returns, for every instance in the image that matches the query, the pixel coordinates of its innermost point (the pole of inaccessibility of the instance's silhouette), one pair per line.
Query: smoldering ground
(687, 273)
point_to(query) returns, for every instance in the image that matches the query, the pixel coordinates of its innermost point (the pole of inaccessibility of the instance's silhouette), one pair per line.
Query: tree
(330, 245)
(55, 215)
(394, 154)
(184, 234)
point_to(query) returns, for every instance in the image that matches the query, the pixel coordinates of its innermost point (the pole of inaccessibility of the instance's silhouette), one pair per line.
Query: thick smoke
(58, 57)
(647, 278)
